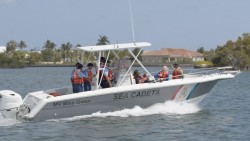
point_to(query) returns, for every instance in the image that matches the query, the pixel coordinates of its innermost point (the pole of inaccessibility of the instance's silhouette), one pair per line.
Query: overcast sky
(188, 24)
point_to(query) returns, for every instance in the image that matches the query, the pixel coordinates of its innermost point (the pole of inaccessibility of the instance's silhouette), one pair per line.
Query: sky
(188, 24)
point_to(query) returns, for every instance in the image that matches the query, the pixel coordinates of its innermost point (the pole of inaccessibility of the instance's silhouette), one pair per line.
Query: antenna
(131, 18)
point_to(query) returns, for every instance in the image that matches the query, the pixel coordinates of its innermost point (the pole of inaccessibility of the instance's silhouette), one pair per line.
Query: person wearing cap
(77, 78)
(88, 77)
(163, 74)
(177, 72)
(137, 77)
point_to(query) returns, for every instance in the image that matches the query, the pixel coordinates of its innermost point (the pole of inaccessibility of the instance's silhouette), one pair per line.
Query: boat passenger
(76, 65)
(72, 73)
(137, 77)
(77, 79)
(144, 77)
(103, 59)
(177, 72)
(88, 77)
(163, 74)
(106, 75)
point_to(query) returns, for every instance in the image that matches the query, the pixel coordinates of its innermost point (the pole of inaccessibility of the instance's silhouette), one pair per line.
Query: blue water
(224, 114)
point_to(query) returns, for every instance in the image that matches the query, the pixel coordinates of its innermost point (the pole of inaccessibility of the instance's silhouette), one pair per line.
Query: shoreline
(72, 65)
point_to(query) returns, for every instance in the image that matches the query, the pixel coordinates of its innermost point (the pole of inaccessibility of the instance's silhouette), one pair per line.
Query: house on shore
(169, 55)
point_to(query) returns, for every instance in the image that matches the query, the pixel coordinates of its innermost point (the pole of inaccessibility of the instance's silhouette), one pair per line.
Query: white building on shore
(2, 49)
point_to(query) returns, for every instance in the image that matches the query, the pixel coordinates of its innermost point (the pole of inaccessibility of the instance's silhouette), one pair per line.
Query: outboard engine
(9, 103)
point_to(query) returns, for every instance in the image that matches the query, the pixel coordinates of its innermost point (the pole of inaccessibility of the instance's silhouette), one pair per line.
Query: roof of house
(173, 52)
(2, 49)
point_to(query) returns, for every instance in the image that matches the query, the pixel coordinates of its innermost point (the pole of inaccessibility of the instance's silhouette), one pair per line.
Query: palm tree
(11, 47)
(22, 45)
(66, 49)
(103, 40)
(48, 51)
(49, 45)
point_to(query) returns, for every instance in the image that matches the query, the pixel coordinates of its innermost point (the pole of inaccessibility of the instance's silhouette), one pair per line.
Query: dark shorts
(77, 88)
(104, 84)
(87, 86)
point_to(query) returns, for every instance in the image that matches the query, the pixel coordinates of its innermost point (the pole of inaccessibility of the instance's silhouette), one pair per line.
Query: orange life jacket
(164, 74)
(176, 74)
(110, 76)
(90, 77)
(76, 78)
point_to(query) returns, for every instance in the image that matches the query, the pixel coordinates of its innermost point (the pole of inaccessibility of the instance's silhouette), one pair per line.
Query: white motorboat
(43, 105)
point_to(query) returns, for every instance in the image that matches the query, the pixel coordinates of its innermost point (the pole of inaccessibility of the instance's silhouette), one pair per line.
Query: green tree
(103, 40)
(66, 49)
(10, 48)
(201, 50)
(58, 55)
(230, 54)
(34, 58)
(48, 51)
(49, 45)
(208, 55)
(22, 45)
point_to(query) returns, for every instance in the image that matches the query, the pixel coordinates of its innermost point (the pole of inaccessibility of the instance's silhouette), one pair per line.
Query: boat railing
(189, 73)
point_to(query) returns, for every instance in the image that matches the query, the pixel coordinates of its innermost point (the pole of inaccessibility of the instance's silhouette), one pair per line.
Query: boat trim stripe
(191, 92)
(174, 95)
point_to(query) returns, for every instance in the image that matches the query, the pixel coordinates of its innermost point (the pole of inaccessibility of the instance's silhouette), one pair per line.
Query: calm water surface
(224, 115)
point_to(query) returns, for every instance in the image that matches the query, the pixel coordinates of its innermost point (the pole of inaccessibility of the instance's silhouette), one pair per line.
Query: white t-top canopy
(115, 46)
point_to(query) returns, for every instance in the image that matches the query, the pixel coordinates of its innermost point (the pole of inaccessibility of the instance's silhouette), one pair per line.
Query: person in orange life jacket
(177, 72)
(106, 75)
(77, 79)
(88, 77)
(72, 73)
(163, 74)
(137, 77)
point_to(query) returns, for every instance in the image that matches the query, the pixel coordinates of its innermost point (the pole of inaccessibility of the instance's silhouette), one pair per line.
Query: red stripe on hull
(176, 92)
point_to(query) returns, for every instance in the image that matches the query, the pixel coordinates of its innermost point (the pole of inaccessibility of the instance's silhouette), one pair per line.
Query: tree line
(15, 57)
(232, 53)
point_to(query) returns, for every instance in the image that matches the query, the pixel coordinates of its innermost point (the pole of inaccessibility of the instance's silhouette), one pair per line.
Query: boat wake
(8, 122)
(167, 108)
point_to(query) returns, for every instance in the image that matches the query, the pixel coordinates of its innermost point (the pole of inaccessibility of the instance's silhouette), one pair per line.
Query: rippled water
(223, 115)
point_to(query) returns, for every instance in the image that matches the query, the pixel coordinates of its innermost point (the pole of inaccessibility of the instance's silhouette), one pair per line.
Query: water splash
(8, 122)
(167, 108)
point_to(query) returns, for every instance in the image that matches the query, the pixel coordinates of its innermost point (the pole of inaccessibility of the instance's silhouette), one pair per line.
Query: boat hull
(116, 100)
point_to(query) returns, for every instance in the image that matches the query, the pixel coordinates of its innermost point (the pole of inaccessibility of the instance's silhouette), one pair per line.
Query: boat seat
(54, 94)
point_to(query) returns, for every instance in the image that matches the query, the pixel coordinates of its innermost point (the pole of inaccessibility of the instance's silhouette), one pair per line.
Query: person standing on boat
(163, 74)
(88, 77)
(105, 75)
(77, 79)
(177, 72)
(75, 68)
(72, 73)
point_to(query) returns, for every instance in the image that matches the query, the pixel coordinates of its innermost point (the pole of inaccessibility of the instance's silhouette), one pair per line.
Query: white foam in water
(7, 122)
(167, 108)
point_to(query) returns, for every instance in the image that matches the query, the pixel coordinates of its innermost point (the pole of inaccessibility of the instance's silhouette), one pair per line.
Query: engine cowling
(10, 101)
